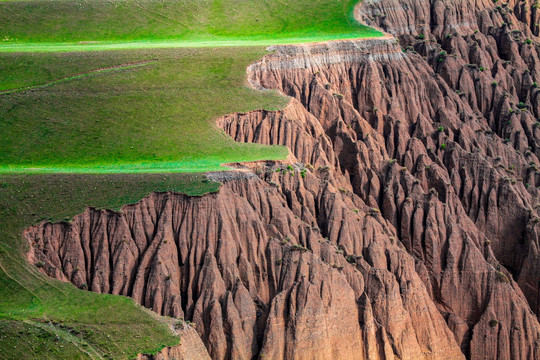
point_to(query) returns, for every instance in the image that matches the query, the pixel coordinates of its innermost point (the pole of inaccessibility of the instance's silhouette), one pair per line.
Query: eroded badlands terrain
(404, 224)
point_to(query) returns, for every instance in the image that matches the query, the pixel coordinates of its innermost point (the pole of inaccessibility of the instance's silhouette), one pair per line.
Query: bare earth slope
(405, 224)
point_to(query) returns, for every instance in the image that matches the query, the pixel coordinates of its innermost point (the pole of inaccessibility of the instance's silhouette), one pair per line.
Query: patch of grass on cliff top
(42, 318)
(184, 22)
(144, 111)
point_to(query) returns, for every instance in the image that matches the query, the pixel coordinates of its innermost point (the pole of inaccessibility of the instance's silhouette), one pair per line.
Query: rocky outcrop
(404, 224)
(488, 54)
(386, 107)
(255, 272)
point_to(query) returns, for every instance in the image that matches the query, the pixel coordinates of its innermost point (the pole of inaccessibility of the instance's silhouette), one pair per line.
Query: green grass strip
(103, 46)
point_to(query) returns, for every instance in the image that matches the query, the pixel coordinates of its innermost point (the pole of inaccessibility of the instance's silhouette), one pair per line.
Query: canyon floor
(380, 198)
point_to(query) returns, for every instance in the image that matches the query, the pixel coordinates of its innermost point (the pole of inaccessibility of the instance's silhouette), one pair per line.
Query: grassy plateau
(105, 101)
(149, 110)
(44, 25)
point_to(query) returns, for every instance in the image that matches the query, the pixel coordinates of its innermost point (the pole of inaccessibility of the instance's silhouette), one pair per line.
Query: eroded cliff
(404, 224)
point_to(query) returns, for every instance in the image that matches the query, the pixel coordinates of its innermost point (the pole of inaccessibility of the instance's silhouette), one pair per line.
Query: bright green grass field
(41, 318)
(156, 116)
(185, 22)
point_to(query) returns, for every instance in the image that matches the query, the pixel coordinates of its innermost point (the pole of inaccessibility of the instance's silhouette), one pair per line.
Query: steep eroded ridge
(381, 109)
(387, 234)
(487, 53)
(255, 272)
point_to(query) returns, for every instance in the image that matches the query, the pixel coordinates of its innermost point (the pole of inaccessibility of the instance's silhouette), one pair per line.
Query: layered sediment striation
(403, 225)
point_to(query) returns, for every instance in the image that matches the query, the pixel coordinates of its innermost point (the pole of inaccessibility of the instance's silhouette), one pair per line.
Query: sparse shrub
(441, 128)
(324, 168)
(40, 264)
(342, 190)
(442, 56)
(179, 324)
(443, 146)
(494, 84)
(493, 323)
(502, 277)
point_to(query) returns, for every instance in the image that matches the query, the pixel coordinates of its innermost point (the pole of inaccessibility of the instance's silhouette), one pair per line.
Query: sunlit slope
(127, 111)
(73, 21)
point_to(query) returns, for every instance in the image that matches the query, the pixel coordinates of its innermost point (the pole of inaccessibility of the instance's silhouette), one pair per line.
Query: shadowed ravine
(404, 225)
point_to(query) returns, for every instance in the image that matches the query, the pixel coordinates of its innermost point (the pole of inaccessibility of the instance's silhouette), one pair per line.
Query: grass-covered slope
(145, 111)
(186, 22)
(42, 318)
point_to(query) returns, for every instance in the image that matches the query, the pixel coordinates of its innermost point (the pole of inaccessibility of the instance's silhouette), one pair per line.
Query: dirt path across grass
(82, 75)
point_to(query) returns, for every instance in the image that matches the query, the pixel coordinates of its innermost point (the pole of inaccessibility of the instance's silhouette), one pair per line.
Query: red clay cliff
(404, 225)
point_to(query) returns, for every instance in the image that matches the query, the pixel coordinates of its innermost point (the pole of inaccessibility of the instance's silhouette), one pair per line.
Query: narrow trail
(81, 75)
